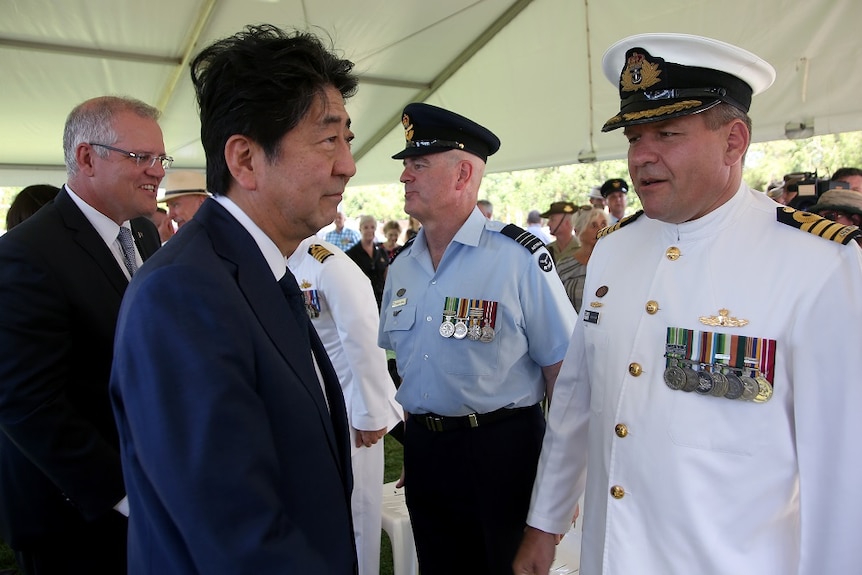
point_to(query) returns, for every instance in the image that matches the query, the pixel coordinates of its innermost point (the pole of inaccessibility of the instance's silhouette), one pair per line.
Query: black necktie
(297, 305)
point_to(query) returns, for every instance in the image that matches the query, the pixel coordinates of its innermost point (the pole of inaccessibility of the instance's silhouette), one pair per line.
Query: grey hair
(92, 121)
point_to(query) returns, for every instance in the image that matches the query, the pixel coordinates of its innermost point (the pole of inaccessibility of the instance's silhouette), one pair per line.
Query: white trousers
(367, 503)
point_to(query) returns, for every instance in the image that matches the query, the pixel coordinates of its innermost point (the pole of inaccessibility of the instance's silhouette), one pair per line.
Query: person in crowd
(28, 201)
(534, 226)
(342, 237)
(852, 176)
(487, 208)
(391, 231)
(475, 375)
(839, 205)
(596, 199)
(588, 221)
(370, 257)
(163, 223)
(63, 273)
(560, 217)
(185, 192)
(614, 192)
(233, 430)
(343, 311)
(413, 227)
(704, 419)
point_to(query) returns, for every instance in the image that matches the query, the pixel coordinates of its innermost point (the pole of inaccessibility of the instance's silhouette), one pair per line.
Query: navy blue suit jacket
(60, 292)
(233, 461)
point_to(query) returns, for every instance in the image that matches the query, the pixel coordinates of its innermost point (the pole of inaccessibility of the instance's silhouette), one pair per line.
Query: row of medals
(717, 380)
(470, 327)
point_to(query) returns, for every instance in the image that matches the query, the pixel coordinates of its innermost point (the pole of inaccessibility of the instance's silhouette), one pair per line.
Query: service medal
(750, 389)
(720, 384)
(764, 389)
(487, 334)
(691, 379)
(447, 328)
(674, 377)
(734, 386)
(460, 330)
(705, 384)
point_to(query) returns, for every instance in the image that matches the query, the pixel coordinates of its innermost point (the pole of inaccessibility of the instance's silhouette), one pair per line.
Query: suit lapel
(233, 243)
(85, 235)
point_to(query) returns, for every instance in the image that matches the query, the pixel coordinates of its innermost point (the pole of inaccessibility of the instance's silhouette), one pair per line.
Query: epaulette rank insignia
(818, 225)
(319, 252)
(523, 237)
(406, 245)
(623, 222)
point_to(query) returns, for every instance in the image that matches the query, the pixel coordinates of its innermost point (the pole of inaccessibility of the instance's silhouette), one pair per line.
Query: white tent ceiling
(528, 69)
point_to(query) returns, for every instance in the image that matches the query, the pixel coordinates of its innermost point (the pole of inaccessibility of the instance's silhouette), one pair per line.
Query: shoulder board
(319, 252)
(818, 225)
(623, 222)
(401, 249)
(523, 237)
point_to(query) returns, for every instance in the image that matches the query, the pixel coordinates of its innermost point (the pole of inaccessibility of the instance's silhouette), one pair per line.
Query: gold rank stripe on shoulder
(622, 223)
(818, 225)
(319, 252)
(523, 237)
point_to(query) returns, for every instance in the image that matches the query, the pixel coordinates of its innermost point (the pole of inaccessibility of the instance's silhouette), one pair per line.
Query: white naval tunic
(682, 483)
(347, 326)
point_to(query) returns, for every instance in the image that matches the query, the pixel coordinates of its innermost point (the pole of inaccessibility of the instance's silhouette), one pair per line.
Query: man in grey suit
(63, 273)
(235, 451)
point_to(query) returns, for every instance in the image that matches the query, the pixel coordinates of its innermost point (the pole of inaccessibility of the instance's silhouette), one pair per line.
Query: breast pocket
(397, 323)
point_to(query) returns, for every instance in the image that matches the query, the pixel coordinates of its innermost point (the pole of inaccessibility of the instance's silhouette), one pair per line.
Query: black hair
(845, 172)
(260, 83)
(28, 201)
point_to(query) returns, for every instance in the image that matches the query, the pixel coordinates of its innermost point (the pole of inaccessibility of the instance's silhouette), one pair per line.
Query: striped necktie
(128, 246)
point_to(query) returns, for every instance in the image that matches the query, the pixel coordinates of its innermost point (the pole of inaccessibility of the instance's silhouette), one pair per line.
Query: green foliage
(514, 194)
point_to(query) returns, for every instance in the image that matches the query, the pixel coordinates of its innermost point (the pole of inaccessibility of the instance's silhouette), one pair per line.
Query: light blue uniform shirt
(453, 377)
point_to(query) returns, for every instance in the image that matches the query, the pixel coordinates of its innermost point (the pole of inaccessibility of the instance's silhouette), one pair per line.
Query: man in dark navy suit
(232, 424)
(63, 273)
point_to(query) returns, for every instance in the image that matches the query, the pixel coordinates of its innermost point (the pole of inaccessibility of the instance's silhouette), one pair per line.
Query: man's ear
(465, 173)
(239, 154)
(738, 140)
(84, 155)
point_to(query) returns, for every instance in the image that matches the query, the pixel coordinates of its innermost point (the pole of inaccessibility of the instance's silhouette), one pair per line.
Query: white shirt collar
(270, 251)
(107, 228)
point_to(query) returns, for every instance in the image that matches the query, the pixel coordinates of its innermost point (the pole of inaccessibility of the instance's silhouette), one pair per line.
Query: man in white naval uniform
(720, 426)
(343, 310)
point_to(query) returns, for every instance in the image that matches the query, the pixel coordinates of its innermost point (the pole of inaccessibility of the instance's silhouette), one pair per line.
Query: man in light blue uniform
(479, 322)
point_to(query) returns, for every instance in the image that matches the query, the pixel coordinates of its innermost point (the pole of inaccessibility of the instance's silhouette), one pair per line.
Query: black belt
(436, 422)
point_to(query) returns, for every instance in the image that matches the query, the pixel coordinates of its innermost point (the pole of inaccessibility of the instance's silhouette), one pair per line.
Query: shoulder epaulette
(319, 252)
(818, 225)
(623, 222)
(523, 237)
(401, 249)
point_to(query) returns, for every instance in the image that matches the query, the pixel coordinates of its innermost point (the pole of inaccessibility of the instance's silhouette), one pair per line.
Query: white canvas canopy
(528, 69)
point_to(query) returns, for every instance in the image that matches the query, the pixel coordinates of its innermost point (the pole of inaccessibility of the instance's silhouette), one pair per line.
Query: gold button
(672, 253)
(617, 492)
(621, 430)
(635, 369)
(652, 307)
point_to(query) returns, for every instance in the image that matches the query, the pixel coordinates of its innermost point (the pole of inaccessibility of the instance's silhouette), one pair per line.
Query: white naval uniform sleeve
(561, 474)
(353, 307)
(826, 368)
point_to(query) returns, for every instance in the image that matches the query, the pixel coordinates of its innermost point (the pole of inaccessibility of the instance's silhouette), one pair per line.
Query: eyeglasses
(148, 160)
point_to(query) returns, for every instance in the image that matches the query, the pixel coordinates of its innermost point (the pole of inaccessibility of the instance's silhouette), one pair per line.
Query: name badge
(399, 302)
(591, 316)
